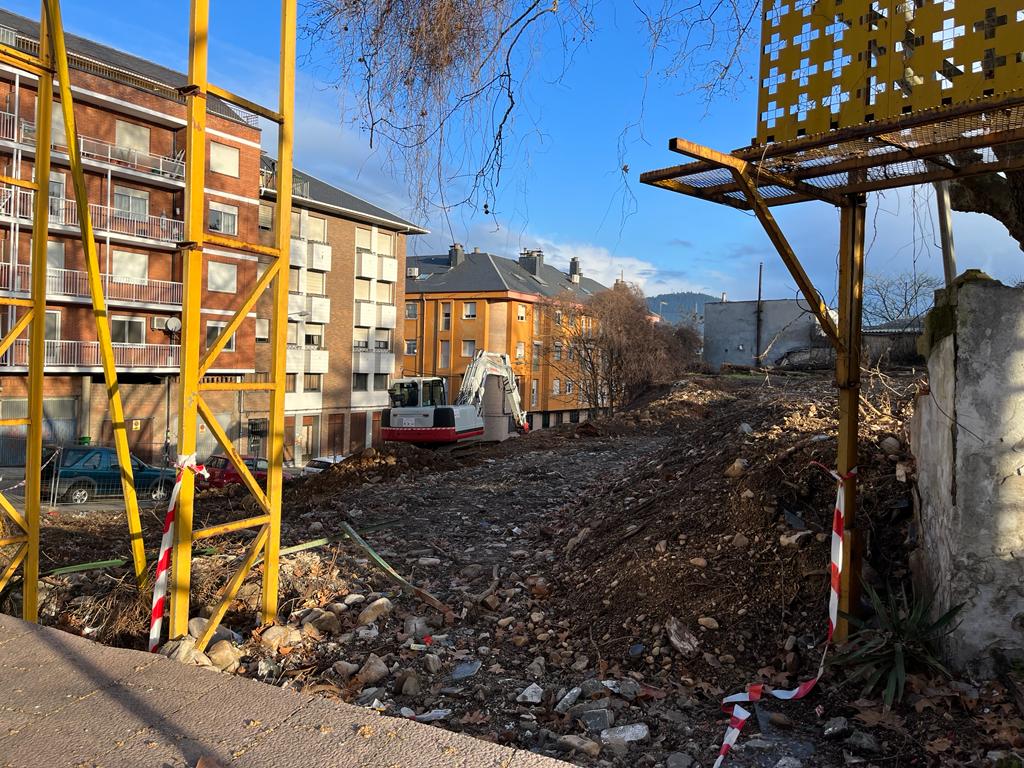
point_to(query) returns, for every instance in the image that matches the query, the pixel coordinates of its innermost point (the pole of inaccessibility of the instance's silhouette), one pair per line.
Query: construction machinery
(420, 412)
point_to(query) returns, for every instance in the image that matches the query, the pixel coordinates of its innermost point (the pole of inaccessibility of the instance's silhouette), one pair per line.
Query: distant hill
(679, 306)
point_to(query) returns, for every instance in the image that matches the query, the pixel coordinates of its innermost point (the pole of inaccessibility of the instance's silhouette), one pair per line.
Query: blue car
(83, 473)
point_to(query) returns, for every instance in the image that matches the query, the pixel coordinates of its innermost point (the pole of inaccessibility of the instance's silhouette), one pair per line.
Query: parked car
(320, 463)
(86, 472)
(223, 472)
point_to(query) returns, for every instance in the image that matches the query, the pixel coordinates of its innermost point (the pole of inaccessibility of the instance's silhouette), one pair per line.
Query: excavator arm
(474, 383)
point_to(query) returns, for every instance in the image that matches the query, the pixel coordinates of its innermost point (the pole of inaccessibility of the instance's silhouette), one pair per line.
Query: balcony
(319, 309)
(302, 358)
(366, 314)
(319, 257)
(297, 254)
(18, 204)
(75, 356)
(388, 269)
(366, 360)
(73, 283)
(296, 305)
(387, 316)
(366, 264)
(268, 181)
(98, 150)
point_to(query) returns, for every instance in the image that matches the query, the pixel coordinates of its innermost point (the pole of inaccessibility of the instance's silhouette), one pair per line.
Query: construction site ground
(607, 583)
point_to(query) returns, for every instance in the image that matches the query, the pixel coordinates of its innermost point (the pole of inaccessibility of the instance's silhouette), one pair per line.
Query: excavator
(420, 413)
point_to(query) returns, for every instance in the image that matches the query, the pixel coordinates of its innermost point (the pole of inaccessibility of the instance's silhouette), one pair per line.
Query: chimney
(476, 249)
(575, 273)
(724, 297)
(532, 261)
(456, 255)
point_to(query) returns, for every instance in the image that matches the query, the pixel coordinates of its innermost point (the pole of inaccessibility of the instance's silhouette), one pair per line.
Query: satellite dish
(173, 324)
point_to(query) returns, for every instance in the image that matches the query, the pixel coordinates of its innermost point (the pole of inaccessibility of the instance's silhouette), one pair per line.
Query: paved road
(70, 702)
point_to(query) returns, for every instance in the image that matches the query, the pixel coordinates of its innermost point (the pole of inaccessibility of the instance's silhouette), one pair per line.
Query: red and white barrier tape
(163, 563)
(731, 705)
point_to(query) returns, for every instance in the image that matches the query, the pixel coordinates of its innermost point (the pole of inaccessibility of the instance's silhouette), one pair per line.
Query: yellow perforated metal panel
(828, 64)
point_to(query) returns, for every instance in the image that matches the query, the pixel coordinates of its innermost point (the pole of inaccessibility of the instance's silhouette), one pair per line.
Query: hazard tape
(163, 563)
(22, 482)
(732, 705)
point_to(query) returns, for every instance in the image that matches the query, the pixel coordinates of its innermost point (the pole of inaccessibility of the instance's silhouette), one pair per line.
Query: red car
(223, 472)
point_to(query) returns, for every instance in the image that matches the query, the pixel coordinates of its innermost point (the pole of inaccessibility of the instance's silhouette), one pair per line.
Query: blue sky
(563, 189)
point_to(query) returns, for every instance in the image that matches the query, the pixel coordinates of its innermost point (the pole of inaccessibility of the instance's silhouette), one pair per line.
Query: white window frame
(262, 330)
(558, 350)
(520, 350)
(469, 344)
(230, 346)
(224, 159)
(266, 217)
(556, 386)
(318, 237)
(137, 200)
(128, 320)
(54, 313)
(466, 310)
(411, 310)
(226, 218)
(521, 312)
(221, 284)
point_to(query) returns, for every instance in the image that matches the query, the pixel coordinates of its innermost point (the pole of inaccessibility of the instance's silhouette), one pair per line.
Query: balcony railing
(71, 282)
(268, 180)
(86, 354)
(17, 203)
(97, 149)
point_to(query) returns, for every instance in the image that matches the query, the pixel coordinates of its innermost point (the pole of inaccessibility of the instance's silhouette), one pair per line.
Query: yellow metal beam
(99, 302)
(14, 422)
(244, 103)
(7, 541)
(20, 325)
(191, 322)
(232, 587)
(9, 302)
(236, 386)
(24, 61)
(233, 242)
(229, 448)
(234, 525)
(12, 513)
(24, 184)
(12, 566)
(239, 316)
(279, 320)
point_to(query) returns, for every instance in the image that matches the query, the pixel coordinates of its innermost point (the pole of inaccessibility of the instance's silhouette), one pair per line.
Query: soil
(566, 556)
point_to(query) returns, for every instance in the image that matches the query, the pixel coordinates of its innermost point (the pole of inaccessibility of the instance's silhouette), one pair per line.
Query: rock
(508, 620)
(627, 689)
(593, 688)
(337, 608)
(661, 547)
(738, 468)
(492, 602)
(432, 663)
(595, 720)
(268, 668)
(707, 622)
(471, 571)
(681, 638)
(789, 762)
(375, 610)
(863, 743)
(746, 429)
(324, 621)
(316, 526)
(466, 669)
(184, 651)
(373, 670)
(836, 728)
(747, 494)
(429, 562)
(572, 743)
(410, 684)
(536, 667)
(636, 650)
(532, 694)
(275, 637)
(678, 760)
(224, 656)
(740, 541)
(793, 540)
(626, 734)
(699, 562)
(581, 663)
(345, 669)
(354, 599)
(568, 700)
(416, 626)
(890, 446)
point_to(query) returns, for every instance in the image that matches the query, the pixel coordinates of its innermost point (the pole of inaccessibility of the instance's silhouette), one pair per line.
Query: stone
(506, 621)
(184, 651)
(532, 694)
(788, 762)
(337, 608)
(224, 656)
(274, 637)
(626, 688)
(432, 663)
(373, 670)
(568, 700)
(466, 669)
(326, 622)
(626, 734)
(492, 602)
(572, 743)
(681, 638)
(737, 469)
(596, 720)
(707, 622)
(747, 494)
(740, 541)
(316, 526)
(793, 540)
(472, 571)
(836, 728)
(345, 669)
(536, 667)
(410, 684)
(863, 743)
(429, 562)
(661, 547)
(679, 760)
(890, 446)
(416, 626)
(354, 599)
(375, 610)
(593, 688)
(699, 562)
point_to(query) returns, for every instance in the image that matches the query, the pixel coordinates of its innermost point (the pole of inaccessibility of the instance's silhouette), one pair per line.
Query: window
(262, 330)
(223, 218)
(469, 310)
(556, 387)
(213, 331)
(223, 159)
(468, 348)
(316, 229)
(520, 350)
(536, 321)
(360, 382)
(58, 133)
(55, 254)
(52, 325)
(364, 239)
(127, 330)
(558, 317)
(558, 350)
(569, 352)
(410, 346)
(131, 136)
(312, 382)
(446, 316)
(383, 341)
(362, 289)
(445, 357)
(384, 244)
(316, 283)
(533, 393)
(293, 333)
(385, 293)
(314, 335)
(128, 266)
(537, 349)
(221, 277)
(290, 380)
(569, 386)
(410, 311)
(360, 338)
(520, 312)
(380, 382)
(266, 216)
(132, 203)
(296, 220)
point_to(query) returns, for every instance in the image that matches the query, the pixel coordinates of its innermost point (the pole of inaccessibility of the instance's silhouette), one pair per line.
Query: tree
(895, 299)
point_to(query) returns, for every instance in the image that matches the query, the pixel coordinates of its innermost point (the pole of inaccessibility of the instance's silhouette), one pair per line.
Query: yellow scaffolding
(51, 64)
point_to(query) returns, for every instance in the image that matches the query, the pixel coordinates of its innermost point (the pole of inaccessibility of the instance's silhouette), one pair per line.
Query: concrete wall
(790, 334)
(968, 437)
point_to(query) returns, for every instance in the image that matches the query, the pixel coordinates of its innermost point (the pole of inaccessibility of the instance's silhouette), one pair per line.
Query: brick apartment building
(459, 303)
(131, 125)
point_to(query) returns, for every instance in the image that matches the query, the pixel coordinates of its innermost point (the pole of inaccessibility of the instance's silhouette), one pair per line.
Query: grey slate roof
(486, 272)
(115, 58)
(319, 191)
